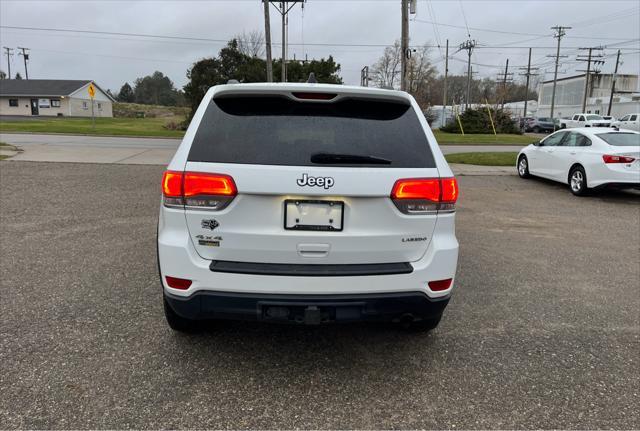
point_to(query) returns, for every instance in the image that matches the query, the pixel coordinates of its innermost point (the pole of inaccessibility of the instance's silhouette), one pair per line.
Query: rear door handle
(573, 153)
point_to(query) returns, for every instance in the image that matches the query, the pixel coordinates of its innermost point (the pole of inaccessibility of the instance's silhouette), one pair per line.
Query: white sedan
(585, 158)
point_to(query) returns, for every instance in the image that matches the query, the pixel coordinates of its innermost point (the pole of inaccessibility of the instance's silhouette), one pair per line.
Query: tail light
(197, 189)
(440, 284)
(425, 195)
(178, 283)
(611, 158)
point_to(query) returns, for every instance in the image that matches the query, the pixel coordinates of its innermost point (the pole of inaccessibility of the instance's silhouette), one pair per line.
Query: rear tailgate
(265, 143)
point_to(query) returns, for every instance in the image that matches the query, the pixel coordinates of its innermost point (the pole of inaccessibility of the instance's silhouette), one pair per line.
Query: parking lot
(542, 331)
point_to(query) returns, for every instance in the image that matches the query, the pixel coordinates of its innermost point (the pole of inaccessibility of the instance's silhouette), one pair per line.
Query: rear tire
(177, 322)
(536, 129)
(523, 167)
(578, 181)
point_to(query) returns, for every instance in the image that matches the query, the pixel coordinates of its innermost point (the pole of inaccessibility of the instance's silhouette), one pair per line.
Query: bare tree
(251, 44)
(386, 71)
(421, 73)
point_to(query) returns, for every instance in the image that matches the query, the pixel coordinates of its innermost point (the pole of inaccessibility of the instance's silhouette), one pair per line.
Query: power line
(466, 24)
(224, 41)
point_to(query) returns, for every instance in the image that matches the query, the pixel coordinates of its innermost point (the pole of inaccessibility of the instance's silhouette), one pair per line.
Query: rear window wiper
(331, 158)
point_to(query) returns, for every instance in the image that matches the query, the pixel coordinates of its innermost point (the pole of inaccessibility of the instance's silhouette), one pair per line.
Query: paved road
(543, 330)
(91, 149)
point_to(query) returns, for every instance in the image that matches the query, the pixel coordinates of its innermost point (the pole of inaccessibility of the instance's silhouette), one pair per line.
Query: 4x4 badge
(209, 224)
(306, 180)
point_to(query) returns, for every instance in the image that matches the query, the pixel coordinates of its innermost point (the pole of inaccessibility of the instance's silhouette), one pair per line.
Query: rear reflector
(198, 189)
(425, 195)
(178, 283)
(440, 284)
(314, 96)
(610, 158)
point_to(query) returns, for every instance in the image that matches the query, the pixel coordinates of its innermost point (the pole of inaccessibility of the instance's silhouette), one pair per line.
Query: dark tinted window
(621, 139)
(280, 131)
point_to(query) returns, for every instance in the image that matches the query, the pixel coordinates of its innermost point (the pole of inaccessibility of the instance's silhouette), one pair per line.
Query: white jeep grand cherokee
(307, 203)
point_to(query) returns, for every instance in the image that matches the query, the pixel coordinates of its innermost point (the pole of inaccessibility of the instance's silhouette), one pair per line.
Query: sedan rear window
(621, 139)
(271, 130)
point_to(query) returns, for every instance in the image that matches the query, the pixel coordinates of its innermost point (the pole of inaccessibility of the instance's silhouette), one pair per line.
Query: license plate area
(318, 215)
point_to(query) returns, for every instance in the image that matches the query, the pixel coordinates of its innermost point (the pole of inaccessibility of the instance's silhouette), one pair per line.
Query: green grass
(484, 159)
(445, 138)
(104, 126)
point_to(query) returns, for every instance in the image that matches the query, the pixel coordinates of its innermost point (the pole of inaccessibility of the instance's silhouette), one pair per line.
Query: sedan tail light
(612, 158)
(197, 189)
(425, 195)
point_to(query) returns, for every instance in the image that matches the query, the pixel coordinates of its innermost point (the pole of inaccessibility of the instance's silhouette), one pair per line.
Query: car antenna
(312, 78)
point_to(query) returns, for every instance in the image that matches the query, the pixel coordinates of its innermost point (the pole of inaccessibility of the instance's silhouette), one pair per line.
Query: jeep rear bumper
(309, 309)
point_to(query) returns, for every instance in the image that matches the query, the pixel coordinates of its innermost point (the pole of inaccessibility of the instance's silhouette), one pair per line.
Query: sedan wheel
(578, 182)
(523, 167)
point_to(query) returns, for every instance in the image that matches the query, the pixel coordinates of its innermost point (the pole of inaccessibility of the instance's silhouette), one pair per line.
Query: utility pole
(267, 38)
(613, 84)
(444, 96)
(25, 57)
(9, 53)
(560, 31)
(589, 59)
(504, 84)
(364, 76)
(528, 74)
(468, 46)
(284, 8)
(404, 45)
(504, 77)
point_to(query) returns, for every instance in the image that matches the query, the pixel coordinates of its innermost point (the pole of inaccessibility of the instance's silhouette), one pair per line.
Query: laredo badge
(209, 224)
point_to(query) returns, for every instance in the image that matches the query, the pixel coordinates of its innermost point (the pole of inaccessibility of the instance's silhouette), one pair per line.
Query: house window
(84, 105)
(55, 103)
(100, 106)
(13, 103)
(44, 103)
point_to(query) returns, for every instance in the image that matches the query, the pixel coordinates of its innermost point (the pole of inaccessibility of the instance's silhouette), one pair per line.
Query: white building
(570, 93)
(52, 97)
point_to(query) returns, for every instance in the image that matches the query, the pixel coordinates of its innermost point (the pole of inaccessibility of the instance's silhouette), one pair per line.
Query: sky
(355, 32)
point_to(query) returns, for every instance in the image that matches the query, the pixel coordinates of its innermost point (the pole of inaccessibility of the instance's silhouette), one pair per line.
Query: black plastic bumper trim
(304, 270)
(296, 308)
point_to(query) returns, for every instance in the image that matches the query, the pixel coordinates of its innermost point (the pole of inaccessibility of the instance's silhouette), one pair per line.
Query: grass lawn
(445, 138)
(4, 144)
(484, 159)
(104, 126)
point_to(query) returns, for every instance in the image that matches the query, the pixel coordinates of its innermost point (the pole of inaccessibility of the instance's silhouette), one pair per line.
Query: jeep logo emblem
(306, 180)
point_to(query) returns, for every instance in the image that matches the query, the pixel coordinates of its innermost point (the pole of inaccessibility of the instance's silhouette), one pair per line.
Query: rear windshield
(621, 139)
(279, 131)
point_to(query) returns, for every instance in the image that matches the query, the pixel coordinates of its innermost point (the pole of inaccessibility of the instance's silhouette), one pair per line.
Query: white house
(52, 97)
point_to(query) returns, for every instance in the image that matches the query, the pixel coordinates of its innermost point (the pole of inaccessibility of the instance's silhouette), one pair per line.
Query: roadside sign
(91, 90)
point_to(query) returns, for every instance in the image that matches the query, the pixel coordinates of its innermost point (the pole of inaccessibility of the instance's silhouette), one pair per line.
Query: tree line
(242, 59)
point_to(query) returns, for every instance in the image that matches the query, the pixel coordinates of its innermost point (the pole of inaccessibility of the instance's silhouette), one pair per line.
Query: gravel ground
(542, 332)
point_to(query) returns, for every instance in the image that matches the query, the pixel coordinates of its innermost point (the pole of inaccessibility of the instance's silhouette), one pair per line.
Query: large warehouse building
(570, 93)
(53, 97)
